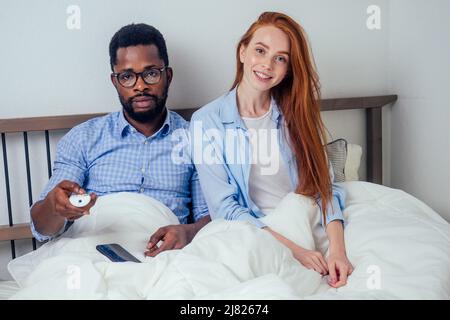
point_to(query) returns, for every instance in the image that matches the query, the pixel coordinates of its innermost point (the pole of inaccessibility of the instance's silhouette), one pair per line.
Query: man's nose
(140, 84)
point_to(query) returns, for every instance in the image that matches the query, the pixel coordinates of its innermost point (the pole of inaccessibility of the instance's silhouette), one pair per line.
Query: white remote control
(79, 200)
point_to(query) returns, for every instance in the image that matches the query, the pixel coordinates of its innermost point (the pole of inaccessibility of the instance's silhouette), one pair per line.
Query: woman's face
(265, 58)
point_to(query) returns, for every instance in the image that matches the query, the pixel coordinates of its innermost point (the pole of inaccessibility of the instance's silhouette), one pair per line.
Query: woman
(276, 91)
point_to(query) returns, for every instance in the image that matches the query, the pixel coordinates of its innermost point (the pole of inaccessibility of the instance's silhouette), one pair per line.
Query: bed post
(374, 145)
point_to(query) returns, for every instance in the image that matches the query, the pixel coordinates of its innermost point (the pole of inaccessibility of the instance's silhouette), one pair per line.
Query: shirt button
(143, 170)
(145, 142)
(141, 190)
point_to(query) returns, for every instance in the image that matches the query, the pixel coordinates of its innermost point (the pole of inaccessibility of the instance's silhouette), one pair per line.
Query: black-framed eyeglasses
(129, 78)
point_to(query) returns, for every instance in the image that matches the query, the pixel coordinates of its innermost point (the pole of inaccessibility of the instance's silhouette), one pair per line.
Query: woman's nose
(267, 62)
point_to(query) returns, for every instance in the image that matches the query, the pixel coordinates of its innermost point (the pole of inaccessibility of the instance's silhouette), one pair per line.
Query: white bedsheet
(398, 246)
(8, 288)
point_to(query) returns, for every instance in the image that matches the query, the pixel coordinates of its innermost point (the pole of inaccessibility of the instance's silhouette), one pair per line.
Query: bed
(398, 245)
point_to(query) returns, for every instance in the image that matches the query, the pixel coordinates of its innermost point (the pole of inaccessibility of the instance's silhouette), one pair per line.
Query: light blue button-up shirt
(223, 178)
(107, 155)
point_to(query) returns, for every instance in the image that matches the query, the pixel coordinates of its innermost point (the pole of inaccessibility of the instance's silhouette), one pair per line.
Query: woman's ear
(169, 71)
(242, 51)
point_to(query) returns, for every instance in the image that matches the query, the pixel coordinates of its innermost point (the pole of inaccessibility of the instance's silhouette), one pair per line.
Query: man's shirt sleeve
(69, 165)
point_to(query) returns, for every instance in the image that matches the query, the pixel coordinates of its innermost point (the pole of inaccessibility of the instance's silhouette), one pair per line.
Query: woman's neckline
(260, 117)
(250, 117)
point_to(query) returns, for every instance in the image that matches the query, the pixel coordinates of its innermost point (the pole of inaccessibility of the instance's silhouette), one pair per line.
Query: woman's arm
(220, 189)
(311, 259)
(337, 203)
(338, 264)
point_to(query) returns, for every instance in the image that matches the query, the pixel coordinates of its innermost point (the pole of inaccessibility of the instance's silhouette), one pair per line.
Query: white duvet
(398, 246)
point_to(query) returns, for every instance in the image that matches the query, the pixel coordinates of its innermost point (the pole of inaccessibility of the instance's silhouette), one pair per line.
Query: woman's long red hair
(298, 97)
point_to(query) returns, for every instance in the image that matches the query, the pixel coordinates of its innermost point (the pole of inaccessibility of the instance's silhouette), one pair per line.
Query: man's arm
(174, 236)
(196, 226)
(50, 215)
(178, 236)
(46, 222)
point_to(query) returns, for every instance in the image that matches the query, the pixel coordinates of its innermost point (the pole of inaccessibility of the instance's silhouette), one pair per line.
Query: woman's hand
(311, 259)
(338, 265)
(339, 269)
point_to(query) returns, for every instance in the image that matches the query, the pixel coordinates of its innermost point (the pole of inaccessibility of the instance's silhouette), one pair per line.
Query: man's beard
(149, 115)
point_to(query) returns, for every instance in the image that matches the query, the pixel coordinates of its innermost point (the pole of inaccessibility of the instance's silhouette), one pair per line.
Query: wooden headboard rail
(372, 106)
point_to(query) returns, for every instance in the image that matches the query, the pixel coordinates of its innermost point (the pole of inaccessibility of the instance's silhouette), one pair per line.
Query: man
(127, 151)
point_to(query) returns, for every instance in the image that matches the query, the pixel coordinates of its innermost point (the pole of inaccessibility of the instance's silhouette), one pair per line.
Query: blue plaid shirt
(107, 155)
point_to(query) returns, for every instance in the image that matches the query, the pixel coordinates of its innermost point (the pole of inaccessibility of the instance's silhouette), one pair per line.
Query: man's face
(142, 102)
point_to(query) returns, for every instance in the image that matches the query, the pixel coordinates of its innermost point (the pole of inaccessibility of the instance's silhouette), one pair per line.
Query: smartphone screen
(116, 253)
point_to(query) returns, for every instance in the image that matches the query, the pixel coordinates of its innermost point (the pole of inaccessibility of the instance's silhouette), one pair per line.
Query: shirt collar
(124, 126)
(230, 112)
(167, 126)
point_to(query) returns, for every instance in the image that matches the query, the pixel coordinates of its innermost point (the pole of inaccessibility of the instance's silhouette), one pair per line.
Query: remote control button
(79, 200)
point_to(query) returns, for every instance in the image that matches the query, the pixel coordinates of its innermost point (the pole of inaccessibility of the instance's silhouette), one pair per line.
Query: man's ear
(113, 80)
(169, 73)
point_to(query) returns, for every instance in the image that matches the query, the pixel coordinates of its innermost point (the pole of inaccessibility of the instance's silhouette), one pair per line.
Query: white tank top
(269, 178)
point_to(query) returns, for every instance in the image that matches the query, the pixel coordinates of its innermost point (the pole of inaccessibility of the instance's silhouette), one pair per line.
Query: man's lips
(142, 101)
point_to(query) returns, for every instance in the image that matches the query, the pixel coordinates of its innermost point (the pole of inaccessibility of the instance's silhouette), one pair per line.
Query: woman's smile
(262, 76)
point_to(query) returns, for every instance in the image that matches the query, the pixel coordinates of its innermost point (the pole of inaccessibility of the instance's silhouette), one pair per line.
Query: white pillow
(353, 161)
(345, 159)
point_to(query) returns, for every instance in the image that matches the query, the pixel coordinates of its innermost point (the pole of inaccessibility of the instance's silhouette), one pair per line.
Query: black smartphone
(116, 253)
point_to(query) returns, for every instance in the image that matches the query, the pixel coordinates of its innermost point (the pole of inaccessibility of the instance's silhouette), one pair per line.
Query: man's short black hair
(136, 34)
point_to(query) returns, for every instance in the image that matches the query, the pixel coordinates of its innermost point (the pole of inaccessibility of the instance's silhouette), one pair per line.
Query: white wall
(419, 72)
(47, 69)
(69, 69)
